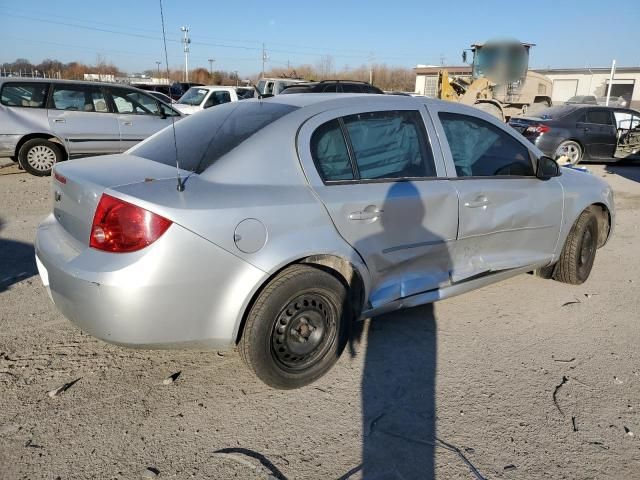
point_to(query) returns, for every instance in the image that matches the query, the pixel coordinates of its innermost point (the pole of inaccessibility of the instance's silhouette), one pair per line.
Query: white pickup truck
(199, 98)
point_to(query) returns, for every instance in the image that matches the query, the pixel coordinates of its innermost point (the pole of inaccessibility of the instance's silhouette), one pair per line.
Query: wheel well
(337, 266)
(603, 216)
(45, 136)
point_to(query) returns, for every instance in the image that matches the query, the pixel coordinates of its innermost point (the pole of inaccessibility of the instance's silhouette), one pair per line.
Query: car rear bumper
(8, 145)
(548, 144)
(180, 292)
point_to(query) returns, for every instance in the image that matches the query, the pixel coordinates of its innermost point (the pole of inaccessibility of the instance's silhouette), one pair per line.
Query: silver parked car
(293, 216)
(45, 121)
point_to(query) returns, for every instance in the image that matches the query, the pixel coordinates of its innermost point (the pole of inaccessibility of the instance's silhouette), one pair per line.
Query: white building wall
(588, 84)
(420, 84)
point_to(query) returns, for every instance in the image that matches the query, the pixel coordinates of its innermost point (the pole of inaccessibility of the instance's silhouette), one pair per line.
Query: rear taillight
(121, 227)
(61, 178)
(539, 128)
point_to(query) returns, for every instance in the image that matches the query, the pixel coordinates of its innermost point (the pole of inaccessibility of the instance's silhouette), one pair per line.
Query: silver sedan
(270, 225)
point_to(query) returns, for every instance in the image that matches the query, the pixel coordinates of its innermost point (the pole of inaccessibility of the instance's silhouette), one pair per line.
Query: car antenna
(180, 186)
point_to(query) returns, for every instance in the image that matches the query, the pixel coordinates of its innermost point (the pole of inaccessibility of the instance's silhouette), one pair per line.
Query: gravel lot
(463, 389)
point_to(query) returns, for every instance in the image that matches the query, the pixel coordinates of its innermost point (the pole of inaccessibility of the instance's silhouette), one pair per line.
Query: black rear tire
(38, 156)
(297, 327)
(579, 251)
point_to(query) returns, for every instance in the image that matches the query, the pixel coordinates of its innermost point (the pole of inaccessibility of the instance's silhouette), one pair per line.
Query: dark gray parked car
(583, 132)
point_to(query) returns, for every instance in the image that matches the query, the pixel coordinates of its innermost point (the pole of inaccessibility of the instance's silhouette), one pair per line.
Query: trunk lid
(77, 186)
(521, 123)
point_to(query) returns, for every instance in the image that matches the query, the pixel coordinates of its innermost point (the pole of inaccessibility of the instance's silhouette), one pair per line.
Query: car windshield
(202, 139)
(553, 113)
(194, 96)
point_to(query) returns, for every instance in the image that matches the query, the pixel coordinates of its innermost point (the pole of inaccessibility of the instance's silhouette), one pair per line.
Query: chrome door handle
(128, 124)
(59, 120)
(479, 202)
(365, 214)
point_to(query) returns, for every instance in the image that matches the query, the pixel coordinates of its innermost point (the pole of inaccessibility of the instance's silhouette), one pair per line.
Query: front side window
(480, 149)
(24, 94)
(79, 98)
(601, 117)
(390, 144)
(218, 98)
(132, 102)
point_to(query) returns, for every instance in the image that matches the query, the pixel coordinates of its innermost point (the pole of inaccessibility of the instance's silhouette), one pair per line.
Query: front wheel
(570, 149)
(297, 327)
(579, 251)
(38, 156)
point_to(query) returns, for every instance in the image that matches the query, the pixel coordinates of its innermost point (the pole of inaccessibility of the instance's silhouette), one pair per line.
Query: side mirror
(547, 168)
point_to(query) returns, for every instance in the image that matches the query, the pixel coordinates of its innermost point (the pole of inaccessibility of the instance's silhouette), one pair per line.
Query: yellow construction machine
(500, 83)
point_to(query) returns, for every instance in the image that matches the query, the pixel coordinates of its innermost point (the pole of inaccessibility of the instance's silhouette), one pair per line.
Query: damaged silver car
(273, 224)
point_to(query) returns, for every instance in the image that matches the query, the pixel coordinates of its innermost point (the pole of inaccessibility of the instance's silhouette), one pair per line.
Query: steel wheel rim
(571, 150)
(304, 331)
(41, 157)
(586, 248)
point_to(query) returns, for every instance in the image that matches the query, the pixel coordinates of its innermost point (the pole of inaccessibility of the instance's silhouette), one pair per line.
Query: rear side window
(601, 117)
(78, 98)
(390, 144)
(351, 88)
(330, 89)
(329, 152)
(480, 149)
(24, 94)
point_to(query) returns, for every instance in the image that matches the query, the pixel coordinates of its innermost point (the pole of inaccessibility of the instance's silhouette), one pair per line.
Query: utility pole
(185, 42)
(264, 59)
(237, 79)
(613, 72)
(211, 60)
(371, 68)
(158, 64)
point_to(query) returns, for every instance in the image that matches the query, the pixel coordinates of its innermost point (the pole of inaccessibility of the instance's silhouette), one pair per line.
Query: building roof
(587, 70)
(432, 70)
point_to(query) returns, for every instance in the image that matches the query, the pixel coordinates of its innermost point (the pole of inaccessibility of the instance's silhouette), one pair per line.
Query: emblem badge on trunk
(57, 196)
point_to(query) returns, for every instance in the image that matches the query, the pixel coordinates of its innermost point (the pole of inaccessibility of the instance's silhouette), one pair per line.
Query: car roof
(330, 101)
(55, 80)
(214, 87)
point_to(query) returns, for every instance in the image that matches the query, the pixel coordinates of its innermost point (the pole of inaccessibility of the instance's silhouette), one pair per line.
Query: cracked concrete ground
(463, 389)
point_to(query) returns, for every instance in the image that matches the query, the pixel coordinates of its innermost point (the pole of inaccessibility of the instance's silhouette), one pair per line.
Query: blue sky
(404, 33)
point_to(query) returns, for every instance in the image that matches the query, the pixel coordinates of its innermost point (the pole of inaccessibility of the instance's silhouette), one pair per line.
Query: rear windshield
(553, 113)
(203, 138)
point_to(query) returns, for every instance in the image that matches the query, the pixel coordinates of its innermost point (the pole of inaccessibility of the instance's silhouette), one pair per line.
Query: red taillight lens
(60, 178)
(539, 128)
(120, 227)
